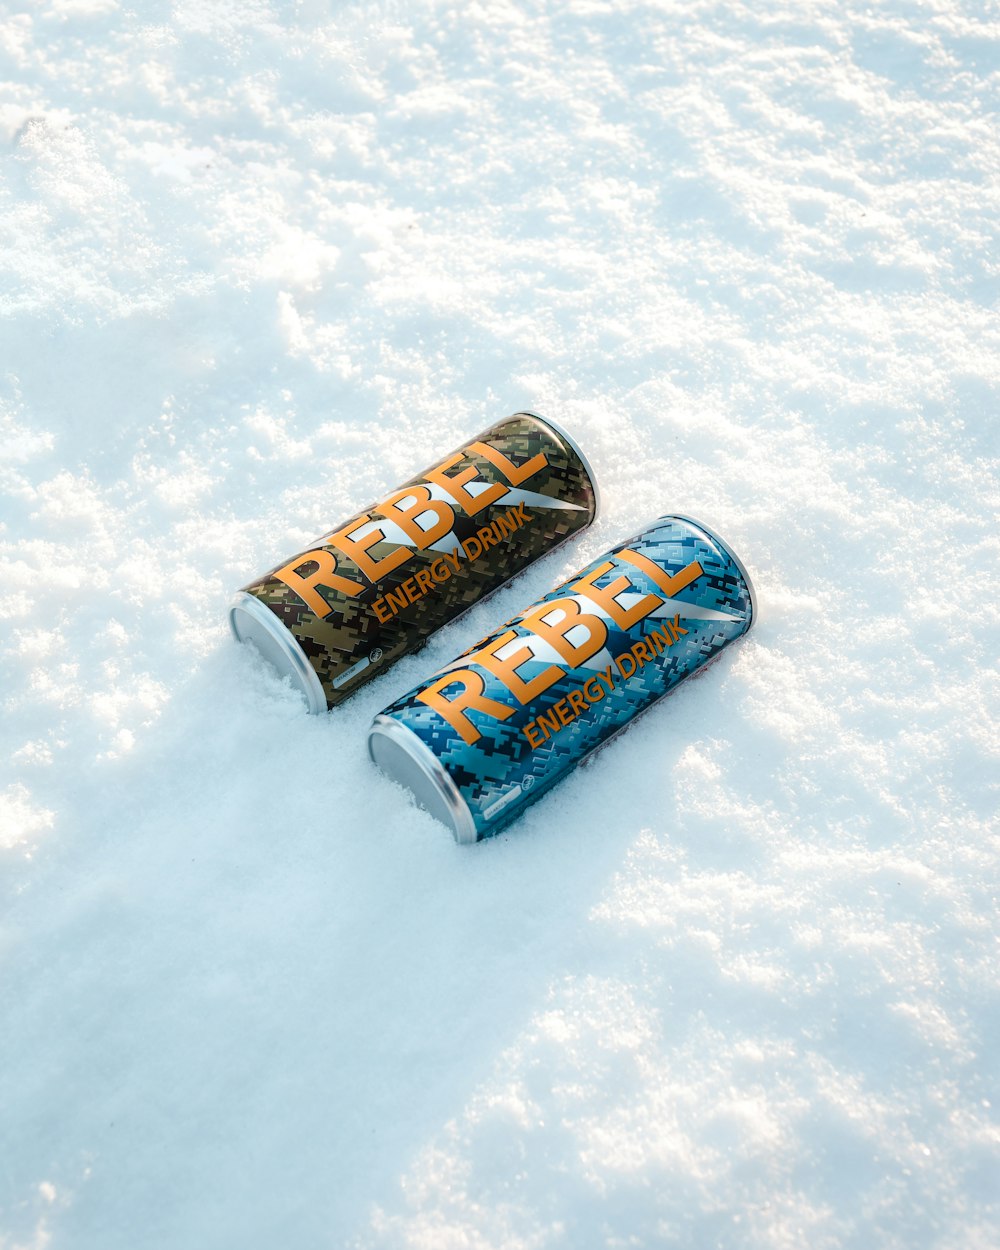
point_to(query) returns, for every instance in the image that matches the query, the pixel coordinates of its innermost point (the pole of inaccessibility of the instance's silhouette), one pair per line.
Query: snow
(733, 985)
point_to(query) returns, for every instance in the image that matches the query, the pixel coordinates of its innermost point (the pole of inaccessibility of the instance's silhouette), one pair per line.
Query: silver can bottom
(252, 622)
(406, 760)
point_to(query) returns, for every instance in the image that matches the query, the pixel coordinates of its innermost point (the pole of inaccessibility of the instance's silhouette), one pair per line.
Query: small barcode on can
(509, 797)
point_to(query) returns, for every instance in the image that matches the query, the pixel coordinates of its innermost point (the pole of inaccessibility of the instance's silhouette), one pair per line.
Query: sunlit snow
(735, 984)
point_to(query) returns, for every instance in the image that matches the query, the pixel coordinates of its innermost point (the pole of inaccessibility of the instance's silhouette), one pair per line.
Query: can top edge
(571, 441)
(712, 533)
(252, 621)
(431, 770)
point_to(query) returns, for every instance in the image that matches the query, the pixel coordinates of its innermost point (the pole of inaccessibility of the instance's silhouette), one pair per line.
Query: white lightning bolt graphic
(428, 519)
(578, 634)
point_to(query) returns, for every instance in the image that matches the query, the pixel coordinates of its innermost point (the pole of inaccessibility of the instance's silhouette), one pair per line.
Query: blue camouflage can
(498, 727)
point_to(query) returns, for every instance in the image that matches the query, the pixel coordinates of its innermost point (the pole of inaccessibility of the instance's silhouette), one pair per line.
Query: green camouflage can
(373, 589)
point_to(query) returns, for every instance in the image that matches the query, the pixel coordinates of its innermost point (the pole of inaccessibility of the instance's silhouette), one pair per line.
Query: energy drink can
(498, 727)
(374, 588)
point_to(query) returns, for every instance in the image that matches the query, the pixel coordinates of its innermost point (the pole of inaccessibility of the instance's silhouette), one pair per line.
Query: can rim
(260, 617)
(463, 827)
(568, 438)
(713, 534)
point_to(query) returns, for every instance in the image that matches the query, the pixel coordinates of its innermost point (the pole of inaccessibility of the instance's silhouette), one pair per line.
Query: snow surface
(734, 985)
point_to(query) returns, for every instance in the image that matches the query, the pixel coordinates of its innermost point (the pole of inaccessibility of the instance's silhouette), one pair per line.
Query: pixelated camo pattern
(502, 763)
(354, 636)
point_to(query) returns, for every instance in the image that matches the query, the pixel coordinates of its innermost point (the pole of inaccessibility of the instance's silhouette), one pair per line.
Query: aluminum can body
(499, 726)
(374, 588)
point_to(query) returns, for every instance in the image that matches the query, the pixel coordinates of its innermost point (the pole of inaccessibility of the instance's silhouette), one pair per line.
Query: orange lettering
(396, 599)
(324, 575)
(556, 634)
(659, 641)
(470, 697)
(592, 690)
(576, 701)
(531, 733)
(406, 518)
(669, 585)
(515, 474)
(622, 660)
(506, 669)
(455, 486)
(486, 537)
(357, 550)
(604, 596)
